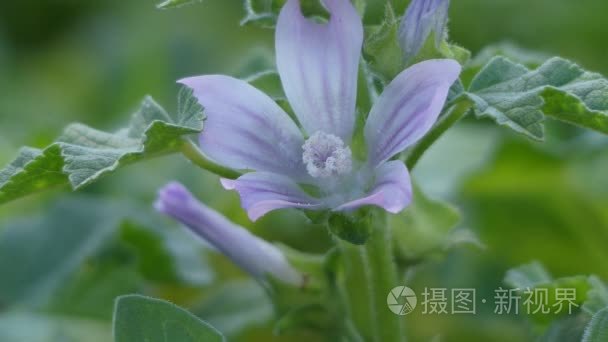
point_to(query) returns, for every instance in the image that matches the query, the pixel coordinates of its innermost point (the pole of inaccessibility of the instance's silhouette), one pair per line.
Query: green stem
(356, 289)
(381, 273)
(190, 151)
(370, 275)
(454, 114)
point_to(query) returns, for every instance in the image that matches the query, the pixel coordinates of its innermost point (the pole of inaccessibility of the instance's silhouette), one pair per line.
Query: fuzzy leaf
(82, 155)
(597, 330)
(535, 276)
(597, 297)
(527, 276)
(167, 4)
(142, 319)
(520, 98)
(426, 227)
(32, 171)
(381, 48)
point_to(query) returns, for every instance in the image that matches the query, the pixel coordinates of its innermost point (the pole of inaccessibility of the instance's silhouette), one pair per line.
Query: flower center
(325, 155)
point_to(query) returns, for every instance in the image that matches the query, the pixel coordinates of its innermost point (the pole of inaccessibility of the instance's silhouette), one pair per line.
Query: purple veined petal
(408, 108)
(252, 254)
(421, 17)
(318, 65)
(246, 129)
(262, 192)
(392, 189)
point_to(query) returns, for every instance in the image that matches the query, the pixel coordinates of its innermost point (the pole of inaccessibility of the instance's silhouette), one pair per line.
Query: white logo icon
(401, 300)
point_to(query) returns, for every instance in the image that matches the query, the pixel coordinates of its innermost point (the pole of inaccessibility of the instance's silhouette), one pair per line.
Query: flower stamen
(325, 155)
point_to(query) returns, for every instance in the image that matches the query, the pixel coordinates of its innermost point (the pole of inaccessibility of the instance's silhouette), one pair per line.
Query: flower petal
(408, 108)
(251, 253)
(318, 65)
(392, 189)
(245, 129)
(262, 192)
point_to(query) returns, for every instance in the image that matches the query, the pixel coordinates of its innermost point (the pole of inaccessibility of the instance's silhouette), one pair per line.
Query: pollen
(326, 155)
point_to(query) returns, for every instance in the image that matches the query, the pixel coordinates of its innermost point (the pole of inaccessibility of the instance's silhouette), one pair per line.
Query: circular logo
(401, 300)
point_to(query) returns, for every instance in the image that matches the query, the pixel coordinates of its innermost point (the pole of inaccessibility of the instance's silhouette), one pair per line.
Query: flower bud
(422, 17)
(254, 255)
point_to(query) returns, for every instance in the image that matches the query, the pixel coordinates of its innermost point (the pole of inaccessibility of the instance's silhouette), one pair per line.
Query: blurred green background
(64, 257)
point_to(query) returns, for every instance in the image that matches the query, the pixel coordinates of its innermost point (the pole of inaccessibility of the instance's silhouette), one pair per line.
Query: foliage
(138, 318)
(598, 327)
(516, 97)
(81, 155)
(64, 260)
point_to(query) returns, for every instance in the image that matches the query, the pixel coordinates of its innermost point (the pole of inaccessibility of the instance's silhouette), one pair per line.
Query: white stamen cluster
(325, 155)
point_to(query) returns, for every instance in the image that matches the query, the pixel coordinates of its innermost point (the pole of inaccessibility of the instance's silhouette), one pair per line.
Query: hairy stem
(381, 274)
(356, 288)
(370, 275)
(190, 151)
(454, 114)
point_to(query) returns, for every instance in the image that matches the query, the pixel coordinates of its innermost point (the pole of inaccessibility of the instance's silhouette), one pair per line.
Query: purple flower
(318, 66)
(252, 254)
(421, 17)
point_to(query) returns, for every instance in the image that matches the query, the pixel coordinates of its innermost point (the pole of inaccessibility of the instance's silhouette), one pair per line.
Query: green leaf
(520, 98)
(381, 48)
(426, 227)
(457, 52)
(568, 328)
(535, 276)
(527, 276)
(82, 155)
(597, 297)
(597, 330)
(79, 257)
(52, 247)
(430, 50)
(167, 4)
(142, 319)
(32, 171)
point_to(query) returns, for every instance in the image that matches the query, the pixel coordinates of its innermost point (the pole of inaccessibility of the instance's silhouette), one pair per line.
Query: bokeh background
(64, 257)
